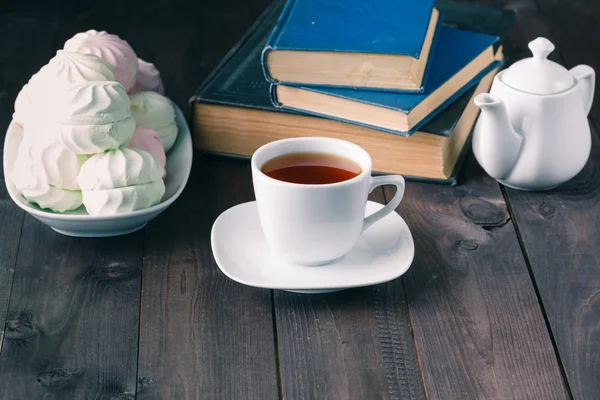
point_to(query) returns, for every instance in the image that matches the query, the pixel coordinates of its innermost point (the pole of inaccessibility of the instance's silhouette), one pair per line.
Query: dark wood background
(502, 300)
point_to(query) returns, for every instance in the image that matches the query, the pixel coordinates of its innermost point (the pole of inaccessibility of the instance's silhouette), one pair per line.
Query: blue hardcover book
(232, 112)
(460, 60)
(376, 44)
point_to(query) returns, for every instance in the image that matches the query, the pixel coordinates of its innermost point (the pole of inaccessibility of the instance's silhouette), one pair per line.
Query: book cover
(237, 88)
(357, 26)
(240, 131)
(353, 43)
(238, 80)
(455, 54)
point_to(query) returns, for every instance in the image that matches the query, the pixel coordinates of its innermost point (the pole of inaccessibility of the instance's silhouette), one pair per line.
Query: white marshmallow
(119, 168)
(91, 117)
(125, 199)
(154, 111)
(39, 170)
(112, 49)
(61, 71)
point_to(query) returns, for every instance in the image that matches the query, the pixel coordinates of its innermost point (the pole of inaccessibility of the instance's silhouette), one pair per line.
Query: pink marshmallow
(148, 140)
(112, 49)
(147, 78)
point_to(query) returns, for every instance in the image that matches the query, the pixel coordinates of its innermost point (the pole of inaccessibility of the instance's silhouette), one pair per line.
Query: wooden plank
(560, 232)
(478, 326)
(72, 327)
(11, 220)
(558, 228)
(353, 344)
(18, 60)
(202, 335)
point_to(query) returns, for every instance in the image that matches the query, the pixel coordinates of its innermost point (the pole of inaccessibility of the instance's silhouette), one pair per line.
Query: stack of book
(396, 77)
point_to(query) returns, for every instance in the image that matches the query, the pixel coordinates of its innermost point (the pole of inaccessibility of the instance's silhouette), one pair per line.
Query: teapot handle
(586, 77)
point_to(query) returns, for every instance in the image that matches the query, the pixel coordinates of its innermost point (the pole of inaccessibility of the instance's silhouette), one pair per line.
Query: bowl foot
(99, 233)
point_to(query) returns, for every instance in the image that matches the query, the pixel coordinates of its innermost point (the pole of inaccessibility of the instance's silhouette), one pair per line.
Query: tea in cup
(311, 194)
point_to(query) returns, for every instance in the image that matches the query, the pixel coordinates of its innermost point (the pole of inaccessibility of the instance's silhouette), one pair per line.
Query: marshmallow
(63, 70)
(59, 165)
(148, 140)
(154, 111)
(39, 171)
(147, 78)
(121, 180)
(112, 49)
(23, 106)
(125, 199)
(91, 117)
(57, 200)
(119, 168)
(71, 68)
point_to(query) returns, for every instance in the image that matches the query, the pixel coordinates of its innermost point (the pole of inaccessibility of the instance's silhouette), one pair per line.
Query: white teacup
(317, 224)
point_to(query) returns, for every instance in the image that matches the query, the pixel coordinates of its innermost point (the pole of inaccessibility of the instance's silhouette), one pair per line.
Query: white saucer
(383, 253)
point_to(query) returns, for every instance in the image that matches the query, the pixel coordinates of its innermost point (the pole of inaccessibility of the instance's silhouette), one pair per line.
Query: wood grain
(11, 221)
(559, 228)
(19, 59)
(353, 344)
(202, 334)
(72, 326)
(478, 326)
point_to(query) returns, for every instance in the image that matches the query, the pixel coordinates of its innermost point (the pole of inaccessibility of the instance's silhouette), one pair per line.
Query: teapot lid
(537, 74)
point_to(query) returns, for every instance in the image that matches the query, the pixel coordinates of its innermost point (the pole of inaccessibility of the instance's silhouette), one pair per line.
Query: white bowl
(79, 222)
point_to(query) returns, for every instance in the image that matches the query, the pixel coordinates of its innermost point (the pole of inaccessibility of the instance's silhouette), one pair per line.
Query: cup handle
(376, 181)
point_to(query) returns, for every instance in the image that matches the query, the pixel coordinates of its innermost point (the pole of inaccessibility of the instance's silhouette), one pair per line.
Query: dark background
(502, 300)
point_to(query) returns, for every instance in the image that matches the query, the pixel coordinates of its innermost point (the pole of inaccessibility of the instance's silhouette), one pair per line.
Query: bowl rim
(184, 135)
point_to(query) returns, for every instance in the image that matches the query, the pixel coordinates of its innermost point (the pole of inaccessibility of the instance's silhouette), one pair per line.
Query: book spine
(274, 37)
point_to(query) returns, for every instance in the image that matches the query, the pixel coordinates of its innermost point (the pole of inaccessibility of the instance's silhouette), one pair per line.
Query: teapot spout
(496, 144)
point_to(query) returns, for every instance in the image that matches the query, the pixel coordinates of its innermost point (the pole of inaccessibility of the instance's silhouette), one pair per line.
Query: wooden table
(502, 300)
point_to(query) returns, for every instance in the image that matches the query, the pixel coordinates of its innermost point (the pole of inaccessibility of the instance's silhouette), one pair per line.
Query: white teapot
(533, 132)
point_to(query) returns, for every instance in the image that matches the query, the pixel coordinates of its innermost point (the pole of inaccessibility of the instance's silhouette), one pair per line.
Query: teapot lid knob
(537, 74)
(540, 48)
